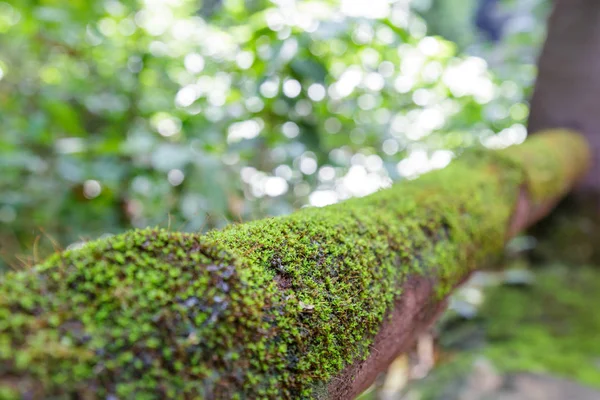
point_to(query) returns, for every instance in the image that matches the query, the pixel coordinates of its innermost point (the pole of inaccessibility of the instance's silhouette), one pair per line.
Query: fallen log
(311, 305)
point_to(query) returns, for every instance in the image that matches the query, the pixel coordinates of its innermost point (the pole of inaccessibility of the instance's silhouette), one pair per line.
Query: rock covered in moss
(269, 309)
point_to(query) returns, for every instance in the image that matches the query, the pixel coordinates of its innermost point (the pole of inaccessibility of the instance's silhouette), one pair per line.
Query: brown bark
(414, 313)
(568, 85)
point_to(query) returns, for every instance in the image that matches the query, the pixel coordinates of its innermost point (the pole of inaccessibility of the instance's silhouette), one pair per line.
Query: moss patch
(549, 327)
(552, 161)
(270, 309)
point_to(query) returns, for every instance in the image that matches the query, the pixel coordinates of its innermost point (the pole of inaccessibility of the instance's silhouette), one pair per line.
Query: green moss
(552, 162)
(269, 309)
(549, 327)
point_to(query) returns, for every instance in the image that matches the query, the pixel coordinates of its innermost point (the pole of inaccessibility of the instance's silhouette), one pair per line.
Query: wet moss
(269, 309)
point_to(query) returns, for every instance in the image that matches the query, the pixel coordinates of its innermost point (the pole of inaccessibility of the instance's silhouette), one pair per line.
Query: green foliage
(134, 113)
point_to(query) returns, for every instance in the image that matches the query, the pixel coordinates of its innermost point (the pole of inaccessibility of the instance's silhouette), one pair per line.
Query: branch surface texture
(311, 305)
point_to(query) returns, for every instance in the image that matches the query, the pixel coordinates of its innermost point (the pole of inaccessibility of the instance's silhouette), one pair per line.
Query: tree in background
(565, 95)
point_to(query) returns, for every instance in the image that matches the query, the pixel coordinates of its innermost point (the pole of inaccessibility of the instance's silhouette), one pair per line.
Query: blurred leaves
(118, 114)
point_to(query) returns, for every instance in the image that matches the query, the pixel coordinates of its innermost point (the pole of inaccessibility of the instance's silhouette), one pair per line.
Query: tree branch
(310, 305)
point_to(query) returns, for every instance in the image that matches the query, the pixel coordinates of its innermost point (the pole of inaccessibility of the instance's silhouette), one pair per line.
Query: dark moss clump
(270, 309)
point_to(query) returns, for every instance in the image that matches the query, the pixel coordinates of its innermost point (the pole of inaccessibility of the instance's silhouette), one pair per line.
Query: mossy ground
(550, 327)
(269, 309)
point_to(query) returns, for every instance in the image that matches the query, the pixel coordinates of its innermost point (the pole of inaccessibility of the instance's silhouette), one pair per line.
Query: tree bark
(568, 84)
(312, 305)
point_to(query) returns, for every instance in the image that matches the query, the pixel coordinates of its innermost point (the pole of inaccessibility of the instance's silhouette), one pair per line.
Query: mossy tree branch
(314, 304)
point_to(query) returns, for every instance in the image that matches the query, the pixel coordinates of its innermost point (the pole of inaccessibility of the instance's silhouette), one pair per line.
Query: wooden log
(311, 305)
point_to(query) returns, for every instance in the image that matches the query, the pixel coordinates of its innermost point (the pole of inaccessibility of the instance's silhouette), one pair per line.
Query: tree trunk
(312, 305)
(566, 92)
